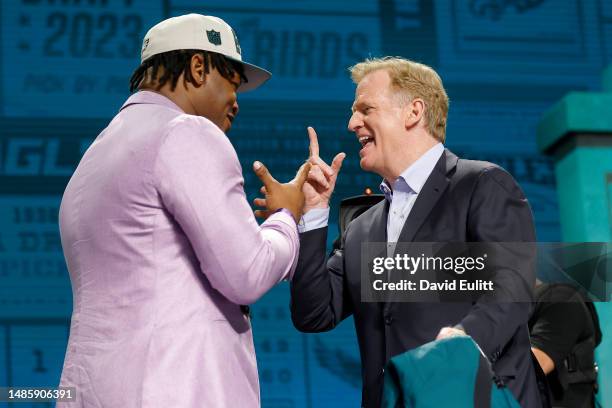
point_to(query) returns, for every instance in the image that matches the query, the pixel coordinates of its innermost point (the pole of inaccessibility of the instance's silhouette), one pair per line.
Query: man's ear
(414, 112)
(197, 69)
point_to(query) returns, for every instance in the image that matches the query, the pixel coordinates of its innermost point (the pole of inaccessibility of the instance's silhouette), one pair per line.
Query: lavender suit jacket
(162, 248)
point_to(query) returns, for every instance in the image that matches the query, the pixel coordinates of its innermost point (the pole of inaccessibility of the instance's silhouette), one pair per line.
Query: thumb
(337, 162)
(302, 175)
(264, 175)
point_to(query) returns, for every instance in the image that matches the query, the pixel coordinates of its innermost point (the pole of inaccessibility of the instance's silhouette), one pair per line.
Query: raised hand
(288, 195)
(322, 177)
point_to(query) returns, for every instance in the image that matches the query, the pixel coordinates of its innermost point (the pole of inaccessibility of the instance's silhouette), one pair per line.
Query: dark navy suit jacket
(461, 201)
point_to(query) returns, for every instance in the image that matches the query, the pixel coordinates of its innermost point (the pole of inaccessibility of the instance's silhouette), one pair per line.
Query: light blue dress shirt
(402, 194)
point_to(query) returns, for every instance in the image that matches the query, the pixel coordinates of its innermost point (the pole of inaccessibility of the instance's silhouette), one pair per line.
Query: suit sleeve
(500, 215)
(319, 298)
(199, 180)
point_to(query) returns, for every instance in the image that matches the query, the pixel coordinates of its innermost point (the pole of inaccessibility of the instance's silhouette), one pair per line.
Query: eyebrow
(357, 105)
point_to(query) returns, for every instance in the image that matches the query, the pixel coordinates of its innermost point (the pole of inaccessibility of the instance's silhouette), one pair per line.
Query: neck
(178, 96)
(407, 156)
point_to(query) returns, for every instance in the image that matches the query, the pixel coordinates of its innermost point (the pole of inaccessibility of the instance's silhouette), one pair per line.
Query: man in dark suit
(399, 117)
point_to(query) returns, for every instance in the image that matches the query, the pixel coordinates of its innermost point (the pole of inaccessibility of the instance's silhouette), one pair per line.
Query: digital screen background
(64, 71)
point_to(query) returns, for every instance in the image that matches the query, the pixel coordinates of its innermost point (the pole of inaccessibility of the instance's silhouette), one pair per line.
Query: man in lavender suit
(160, 242)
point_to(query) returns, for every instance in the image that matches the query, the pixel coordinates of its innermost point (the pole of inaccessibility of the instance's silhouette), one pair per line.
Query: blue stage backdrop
(64, 71)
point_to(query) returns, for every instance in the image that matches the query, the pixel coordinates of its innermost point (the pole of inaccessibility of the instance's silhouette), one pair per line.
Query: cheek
(221, 102)
(231, 99)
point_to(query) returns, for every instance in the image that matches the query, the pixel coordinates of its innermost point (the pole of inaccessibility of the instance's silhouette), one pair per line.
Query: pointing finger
(313, 148)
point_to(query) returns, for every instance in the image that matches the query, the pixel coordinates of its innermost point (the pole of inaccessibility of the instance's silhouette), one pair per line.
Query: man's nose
(354, 122)
(235, 109)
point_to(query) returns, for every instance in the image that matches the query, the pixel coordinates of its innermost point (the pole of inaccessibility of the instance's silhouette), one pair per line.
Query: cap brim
(256, 76)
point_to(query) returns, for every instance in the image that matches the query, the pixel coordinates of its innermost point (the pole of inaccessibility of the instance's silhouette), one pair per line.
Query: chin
(370, 167)
(225, 127)
(228, 125)
(366, 165)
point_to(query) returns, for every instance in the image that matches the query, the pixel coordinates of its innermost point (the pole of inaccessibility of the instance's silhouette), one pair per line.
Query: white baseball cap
(198, 32)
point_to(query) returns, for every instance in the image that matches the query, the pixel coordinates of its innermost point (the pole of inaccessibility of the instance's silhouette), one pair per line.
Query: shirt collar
(415, 176)
(150, 97)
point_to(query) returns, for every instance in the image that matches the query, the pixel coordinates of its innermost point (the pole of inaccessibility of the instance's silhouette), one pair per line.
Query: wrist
(288, 212)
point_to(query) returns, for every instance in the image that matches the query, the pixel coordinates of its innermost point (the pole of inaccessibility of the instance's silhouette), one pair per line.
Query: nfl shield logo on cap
(214, 37)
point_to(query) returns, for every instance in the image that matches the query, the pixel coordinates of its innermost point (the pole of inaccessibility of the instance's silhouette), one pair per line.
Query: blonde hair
(413, 80)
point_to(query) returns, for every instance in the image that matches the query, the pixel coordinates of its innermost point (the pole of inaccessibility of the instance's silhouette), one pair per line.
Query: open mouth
(365, 140)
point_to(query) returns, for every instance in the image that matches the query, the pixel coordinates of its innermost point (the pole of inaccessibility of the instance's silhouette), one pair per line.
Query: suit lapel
(430, 193)
(376, 233)
(378, 226)
(432, 190)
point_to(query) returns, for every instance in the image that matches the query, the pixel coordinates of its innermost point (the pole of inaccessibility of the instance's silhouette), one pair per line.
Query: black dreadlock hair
(175, 63)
